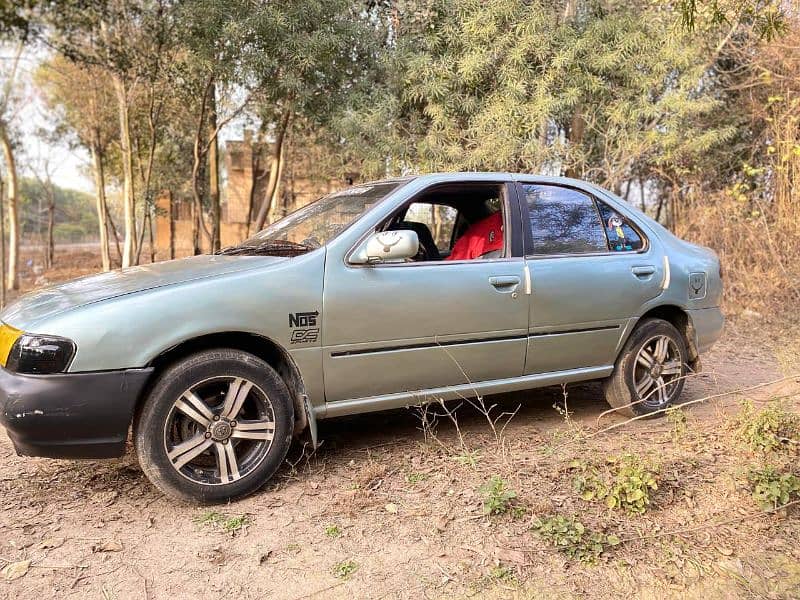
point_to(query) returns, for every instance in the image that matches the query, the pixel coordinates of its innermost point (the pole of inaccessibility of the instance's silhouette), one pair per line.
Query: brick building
(243, 191)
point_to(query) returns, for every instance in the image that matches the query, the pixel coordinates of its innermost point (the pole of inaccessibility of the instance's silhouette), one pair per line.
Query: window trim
(528, 234)
(515, 243)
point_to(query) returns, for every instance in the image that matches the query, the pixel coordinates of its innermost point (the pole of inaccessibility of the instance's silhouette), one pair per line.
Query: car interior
(442, 215)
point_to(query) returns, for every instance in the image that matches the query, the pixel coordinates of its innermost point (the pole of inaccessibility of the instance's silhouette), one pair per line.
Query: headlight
(35, 354)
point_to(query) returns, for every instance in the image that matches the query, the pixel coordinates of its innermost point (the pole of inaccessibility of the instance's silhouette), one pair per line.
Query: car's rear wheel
(216, 426)
(650, 371)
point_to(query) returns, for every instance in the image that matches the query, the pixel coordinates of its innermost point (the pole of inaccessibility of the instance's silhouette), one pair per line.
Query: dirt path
(385, 511)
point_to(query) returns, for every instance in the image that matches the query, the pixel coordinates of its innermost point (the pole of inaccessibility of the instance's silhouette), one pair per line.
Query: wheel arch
(264, 348)
(681, 320)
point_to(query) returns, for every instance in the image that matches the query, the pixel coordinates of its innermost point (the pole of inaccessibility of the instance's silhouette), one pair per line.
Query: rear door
(591, 271)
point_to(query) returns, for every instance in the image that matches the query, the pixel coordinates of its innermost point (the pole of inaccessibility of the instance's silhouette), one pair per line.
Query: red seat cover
(482, 237)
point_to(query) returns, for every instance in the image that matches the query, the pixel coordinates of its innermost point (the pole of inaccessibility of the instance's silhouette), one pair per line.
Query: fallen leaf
(50, 543)
(15, 570)
(507, 555)
(108, 546)
(441, 523)
(391, 508)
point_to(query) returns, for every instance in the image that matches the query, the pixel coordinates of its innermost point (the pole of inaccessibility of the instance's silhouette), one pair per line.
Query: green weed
(773, 488)
(627, 485)
(572, 538)
(497, 497)
(345, 569)
(333, 531)
(226, 523)
(772, 429)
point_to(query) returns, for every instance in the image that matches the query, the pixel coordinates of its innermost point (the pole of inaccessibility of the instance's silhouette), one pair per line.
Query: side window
(563, 221)
(438, 218)
(622, 237)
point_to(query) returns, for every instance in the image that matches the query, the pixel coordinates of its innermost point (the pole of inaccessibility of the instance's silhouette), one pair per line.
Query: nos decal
(304, 327)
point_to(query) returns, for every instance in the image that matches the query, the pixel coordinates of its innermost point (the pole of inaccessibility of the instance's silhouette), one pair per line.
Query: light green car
(383, 295)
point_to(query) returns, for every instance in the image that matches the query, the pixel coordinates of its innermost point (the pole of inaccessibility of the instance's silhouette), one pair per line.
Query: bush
(627, 485)
(572, 538)
(497, 497)
(773, 429)
(773, 488)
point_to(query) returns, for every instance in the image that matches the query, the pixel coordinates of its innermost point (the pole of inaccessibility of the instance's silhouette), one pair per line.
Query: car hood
(50, 301)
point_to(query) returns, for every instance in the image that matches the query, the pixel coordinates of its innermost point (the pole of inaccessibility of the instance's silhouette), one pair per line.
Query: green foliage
(223, 522)
(626, 485)
(333, 531)
(677, 419)
(502, 573)
(511, 85)
(772, 429)
(572, 538)
(75, 218)
(773, 488)
(345, 569)
(414, 478)
(468, 458)
(497, 497)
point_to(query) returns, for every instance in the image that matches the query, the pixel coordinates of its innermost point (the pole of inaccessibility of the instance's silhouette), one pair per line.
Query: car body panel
(48, 302)
(580, 305)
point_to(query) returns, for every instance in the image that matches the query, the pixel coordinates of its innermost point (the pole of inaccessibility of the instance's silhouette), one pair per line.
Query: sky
(68, 167)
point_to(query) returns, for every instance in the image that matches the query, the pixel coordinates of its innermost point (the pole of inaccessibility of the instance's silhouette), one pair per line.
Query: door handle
(643, 271)
(505, 283)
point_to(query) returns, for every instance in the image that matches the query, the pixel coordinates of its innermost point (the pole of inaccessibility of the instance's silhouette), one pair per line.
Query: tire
(627, 389)
(214, 427)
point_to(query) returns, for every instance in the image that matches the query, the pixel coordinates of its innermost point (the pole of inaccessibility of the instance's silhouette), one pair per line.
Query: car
(383, 295)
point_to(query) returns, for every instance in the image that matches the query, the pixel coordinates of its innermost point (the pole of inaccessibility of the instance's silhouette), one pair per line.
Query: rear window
(622, 237)
(563, 221)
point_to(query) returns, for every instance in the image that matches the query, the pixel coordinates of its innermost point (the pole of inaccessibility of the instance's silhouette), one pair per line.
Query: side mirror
(387, 246)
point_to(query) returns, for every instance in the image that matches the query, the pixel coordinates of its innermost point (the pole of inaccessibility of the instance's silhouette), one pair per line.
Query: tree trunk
(642, 196)
(213, 172)
(150, 237)
(128, 201)
(195, 230)
(51, 219)
(275, 157)
(101, 206)
(274, 207)
(116, 235)
(171, 226)
(2, 246)
(575, 136)
(12, 281)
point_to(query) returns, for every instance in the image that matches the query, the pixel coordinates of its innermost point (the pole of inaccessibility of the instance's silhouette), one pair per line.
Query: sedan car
(383, 295)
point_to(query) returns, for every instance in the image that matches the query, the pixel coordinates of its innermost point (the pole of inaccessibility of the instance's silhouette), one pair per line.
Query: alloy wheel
(657, 371)
(219, 430)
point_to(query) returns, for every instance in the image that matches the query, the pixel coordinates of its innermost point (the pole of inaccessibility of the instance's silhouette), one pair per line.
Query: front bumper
(70, 415)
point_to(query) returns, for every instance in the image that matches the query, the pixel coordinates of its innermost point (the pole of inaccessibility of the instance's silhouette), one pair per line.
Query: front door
(591, 271)
(425, 324)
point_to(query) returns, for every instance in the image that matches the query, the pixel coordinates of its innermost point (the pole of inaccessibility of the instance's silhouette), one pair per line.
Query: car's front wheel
(650, 371)
(216, 426)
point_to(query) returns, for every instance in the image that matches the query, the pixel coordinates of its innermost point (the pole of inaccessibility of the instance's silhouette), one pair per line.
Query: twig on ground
(712, 525)
(318, 592)
(89, 575)
(689, 403)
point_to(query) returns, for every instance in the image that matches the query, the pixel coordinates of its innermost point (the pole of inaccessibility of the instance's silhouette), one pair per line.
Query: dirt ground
(389, 508)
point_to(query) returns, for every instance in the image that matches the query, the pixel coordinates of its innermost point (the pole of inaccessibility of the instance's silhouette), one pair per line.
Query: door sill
(341, 408)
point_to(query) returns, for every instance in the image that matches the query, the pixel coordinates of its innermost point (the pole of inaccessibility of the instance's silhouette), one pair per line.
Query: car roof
(454, 176)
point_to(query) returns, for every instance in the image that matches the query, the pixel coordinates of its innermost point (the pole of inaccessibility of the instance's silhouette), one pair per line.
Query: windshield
(316, 224)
